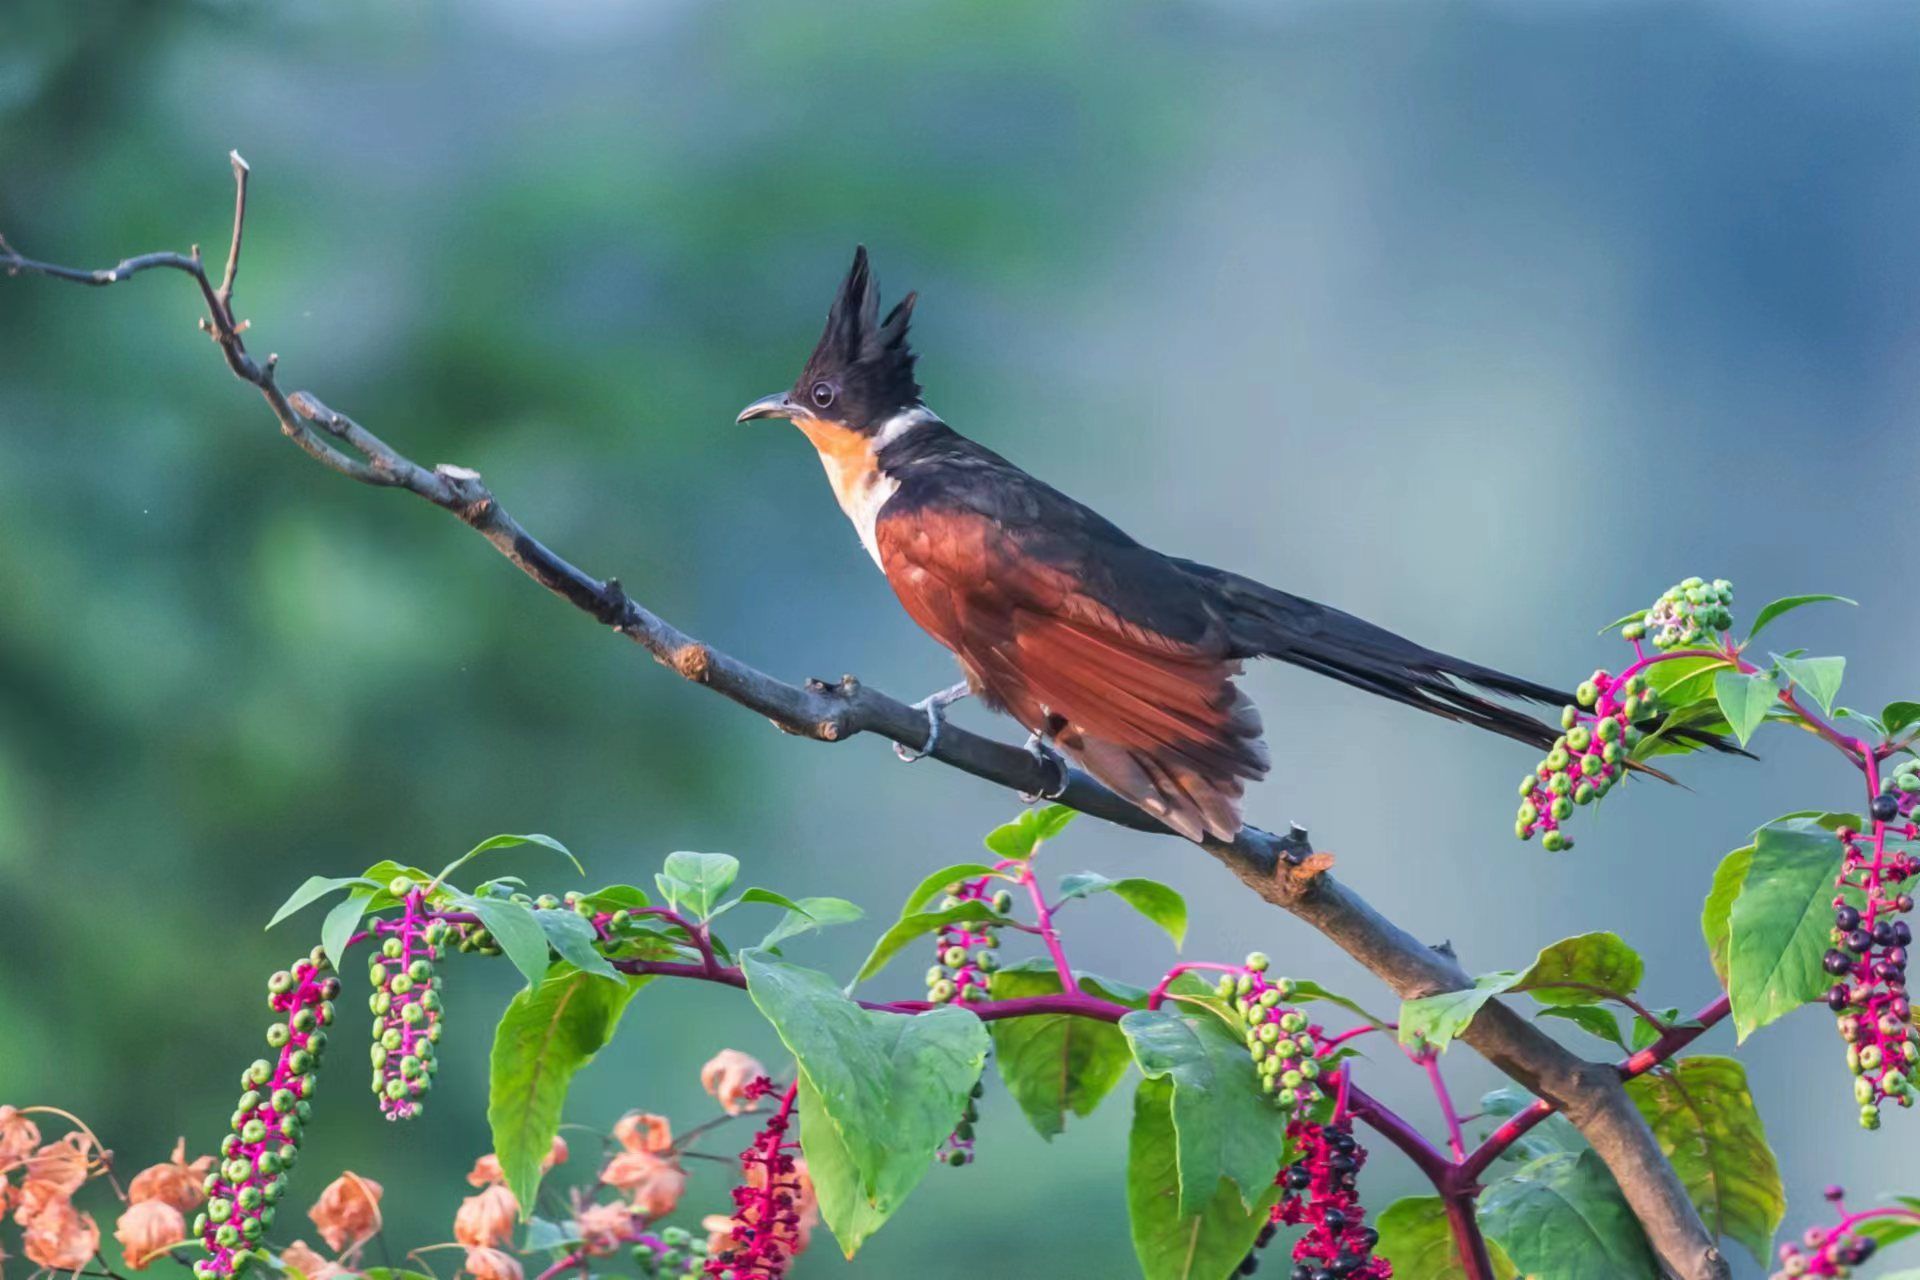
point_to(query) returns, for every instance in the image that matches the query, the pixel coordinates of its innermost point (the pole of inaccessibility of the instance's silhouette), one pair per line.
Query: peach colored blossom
(60, 1237)
(653, 1184)
(486, 1170)
(640, 1131)
(727, 1075)
(348, 1211)
(604, 1227)
(65, 1163)
(491, 1264)
(487, 1220)
(33, 1198)
(147, 1230)
(301, 1257)
(177, 1182)
(18, 1135)
(719, 1229)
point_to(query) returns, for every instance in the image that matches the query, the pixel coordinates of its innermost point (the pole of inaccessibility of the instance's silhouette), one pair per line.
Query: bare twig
(1281, 869)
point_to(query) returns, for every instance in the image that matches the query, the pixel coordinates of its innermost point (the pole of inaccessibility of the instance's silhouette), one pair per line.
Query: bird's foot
(935, 705)
(1040, 749)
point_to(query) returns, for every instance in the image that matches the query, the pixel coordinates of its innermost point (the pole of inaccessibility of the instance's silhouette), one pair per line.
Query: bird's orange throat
(853, 470)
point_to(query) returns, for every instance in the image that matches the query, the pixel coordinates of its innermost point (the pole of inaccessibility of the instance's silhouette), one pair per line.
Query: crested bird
(1116, 655)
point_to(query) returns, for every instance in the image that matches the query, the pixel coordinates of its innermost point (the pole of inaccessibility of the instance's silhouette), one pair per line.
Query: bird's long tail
(1265, 622)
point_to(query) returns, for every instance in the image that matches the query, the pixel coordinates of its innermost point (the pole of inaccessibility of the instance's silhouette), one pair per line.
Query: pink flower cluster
(768, 1210)
(1321, 1194)
(1869, 957)
(251, 1175)
(405, 1005)
(1587, 760)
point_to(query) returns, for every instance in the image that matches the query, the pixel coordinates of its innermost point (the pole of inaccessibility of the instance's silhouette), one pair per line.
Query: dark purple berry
(1836, 963)
(1885, 808)
(1837, 998)
(1845, 919)
(1859, 940)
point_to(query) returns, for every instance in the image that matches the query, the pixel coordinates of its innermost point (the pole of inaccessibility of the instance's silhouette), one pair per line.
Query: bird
(1117, 656)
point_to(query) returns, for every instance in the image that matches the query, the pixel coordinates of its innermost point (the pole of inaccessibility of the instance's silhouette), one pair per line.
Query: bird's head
(860, 375)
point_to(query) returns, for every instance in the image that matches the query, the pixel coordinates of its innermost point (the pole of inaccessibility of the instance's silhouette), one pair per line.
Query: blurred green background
(1486, 321)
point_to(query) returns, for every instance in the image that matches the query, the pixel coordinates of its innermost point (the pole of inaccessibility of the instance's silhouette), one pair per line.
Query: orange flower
(654, 1185)
(727, 1075)
(18, 1135)
(32, 1199)
(639, 1131)
(486, 1220)
(719, 1229)
(148, 1229)
(348, 1211)
(486, 1170)
(604, 1227)
(64, 1163)
(491, 1264)
(177, 1183)
(60, 1237)
(303, 1259)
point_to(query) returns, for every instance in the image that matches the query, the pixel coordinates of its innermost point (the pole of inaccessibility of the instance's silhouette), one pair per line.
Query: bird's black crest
(866, 359)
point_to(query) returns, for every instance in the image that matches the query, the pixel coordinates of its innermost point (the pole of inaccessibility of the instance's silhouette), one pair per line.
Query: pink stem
(1430, 1063)
(1044, 919)
(1158, 995)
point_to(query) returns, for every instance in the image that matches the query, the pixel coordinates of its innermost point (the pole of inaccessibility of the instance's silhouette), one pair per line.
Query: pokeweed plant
(1252, 1124)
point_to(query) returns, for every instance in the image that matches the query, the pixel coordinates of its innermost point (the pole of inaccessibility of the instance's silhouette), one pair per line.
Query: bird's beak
(775, 406)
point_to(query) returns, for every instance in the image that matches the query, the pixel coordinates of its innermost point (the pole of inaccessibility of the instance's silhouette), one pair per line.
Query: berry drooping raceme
(405, 1003)
(766, 1230)
(957, 1150)
(1868, 957)
(1836, 1250)
(963, 950)
(1280, 1038)
(251, 1175)
(1686, 615)
(1588, 759)
(1320, 1193)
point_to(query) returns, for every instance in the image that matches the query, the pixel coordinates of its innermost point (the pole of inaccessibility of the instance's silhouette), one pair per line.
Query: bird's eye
(822, 394)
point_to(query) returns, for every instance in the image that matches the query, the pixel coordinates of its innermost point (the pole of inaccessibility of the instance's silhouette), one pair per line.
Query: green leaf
(547, 1034)
(889, 1086)
(1773, 610)
(1779, 924)
(1820, 677)
(936, 884)
(1172, 1244)
(1716, 915)
(697, 880)
(1156, 901)
(1018, 839)
(918, 925)
(1896, 716)
(1415, 1237)
(1704, 1119)
(772, 899)
(514, 928)
(1438, 1019)
(1306, 991)
(1622, 621)
(508, 842)
(836, 1179)
(574, 938)
(338, 928)
(811, 913)
(1575, 970)
(1563, 1218)
(1744, 700)
(1054, 1063)
(384, 872)
(1593, 1019)
(618, 897)
(544, 1234)
(1645, 1033)
(1890, 1230)
(1227, 1127)
(1554, 1134)
(315, 888)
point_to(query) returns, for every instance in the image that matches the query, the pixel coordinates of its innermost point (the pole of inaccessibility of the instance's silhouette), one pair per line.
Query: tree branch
(1281, 869)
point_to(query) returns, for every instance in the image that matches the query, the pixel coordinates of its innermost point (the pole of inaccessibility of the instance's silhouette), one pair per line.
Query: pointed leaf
(1157, 902)
(1306, 991)
(1704, 1119)
(1173, 1244)
(1716, 915)
(314, 889)
(1563, 1218)
(1820, 677)
(1593, 1019)
(812, 913)
(338, 928)
(1227, 1127)
(1896, 716)
(1439, 1018)
(512, 925)
(918, 925)
(1779, 924)
(836, 1179)
(508, 842)
(1416, 1238)
(939, 882)
(1744, 700)
(697, 881)
(1054, 1063)
(1018, 839)
(1576, 970)
(547, 1034)
(574, 938)
(1773, 610)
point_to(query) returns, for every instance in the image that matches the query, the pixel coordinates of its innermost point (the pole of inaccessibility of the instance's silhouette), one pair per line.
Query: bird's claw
(935, 706)
(1038, 748)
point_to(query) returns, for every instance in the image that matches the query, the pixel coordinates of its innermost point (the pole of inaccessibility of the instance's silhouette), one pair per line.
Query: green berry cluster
(957, 1150)
(674, 1254)
(963, 951)
(1279, 1038)
(251, 1176)
(1685, 615)
(405, 1004)
(1588, 759)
